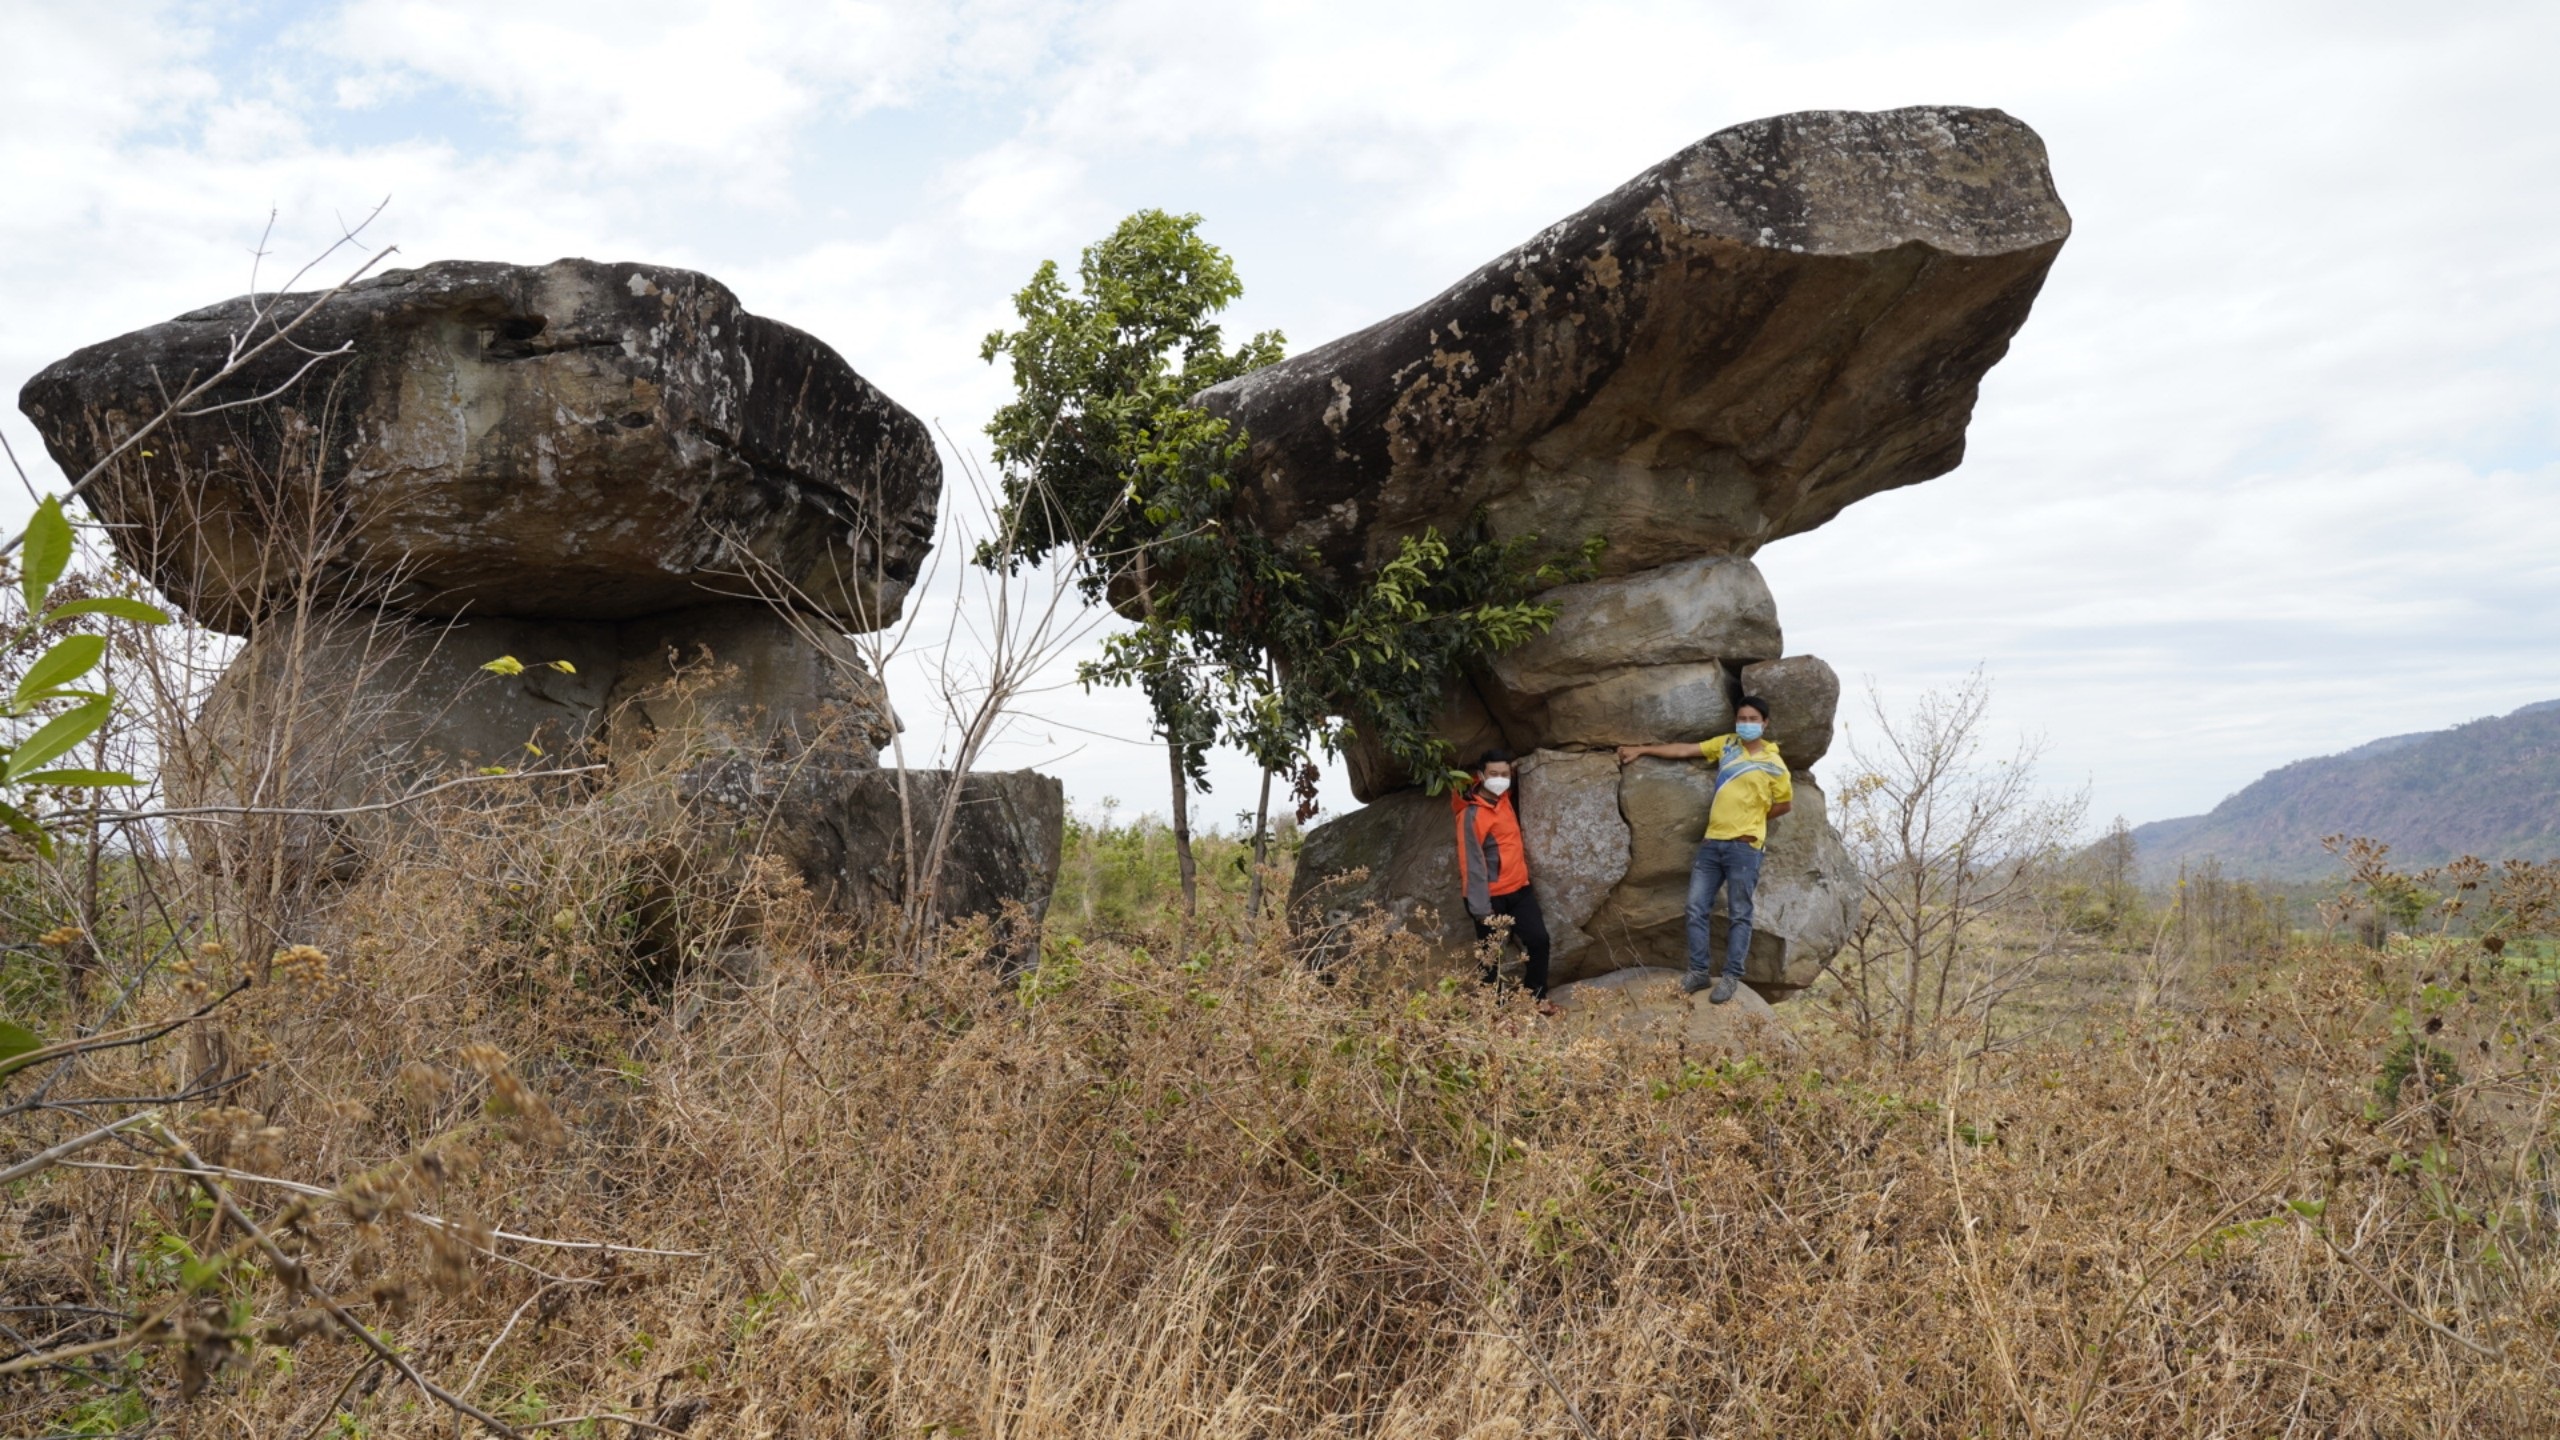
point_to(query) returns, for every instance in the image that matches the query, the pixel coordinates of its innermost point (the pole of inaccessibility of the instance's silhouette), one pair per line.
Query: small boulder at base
(1004, 847)
(1646, 1006)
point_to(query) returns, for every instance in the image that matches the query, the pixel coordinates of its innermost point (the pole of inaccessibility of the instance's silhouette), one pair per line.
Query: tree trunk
(1173, 758)
(1261, 849)
(1182, 828)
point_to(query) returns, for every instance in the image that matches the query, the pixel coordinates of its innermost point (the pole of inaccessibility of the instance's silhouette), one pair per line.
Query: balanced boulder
(575, 440)
(1779, 321)
(482, 516)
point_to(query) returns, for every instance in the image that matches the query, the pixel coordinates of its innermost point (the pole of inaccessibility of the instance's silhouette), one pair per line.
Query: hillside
(2489, 788)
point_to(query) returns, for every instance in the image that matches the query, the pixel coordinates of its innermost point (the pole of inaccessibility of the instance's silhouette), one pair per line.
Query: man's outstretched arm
(1678, 750)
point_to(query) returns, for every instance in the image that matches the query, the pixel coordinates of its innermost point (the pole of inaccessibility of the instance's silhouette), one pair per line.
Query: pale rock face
(355, 706)
(1397, 856)
(1630, 660)
(1701, 611)
(568, 441)
(1640, 705)
(761, 680)
(1808, 899)
(1577, 842)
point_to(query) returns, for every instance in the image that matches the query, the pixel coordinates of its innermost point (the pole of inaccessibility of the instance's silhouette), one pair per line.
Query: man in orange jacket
(1493, 868)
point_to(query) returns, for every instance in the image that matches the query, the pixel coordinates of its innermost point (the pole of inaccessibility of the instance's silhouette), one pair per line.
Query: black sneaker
(1726, 989)
(1695, 981)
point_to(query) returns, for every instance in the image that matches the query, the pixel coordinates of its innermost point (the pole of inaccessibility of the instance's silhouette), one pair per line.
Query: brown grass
(1130, 1197)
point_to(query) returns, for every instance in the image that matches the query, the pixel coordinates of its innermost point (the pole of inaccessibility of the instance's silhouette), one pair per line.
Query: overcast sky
(2271, 471)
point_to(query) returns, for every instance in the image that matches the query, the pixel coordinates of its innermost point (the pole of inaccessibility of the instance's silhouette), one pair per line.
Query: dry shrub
(1231, 1197)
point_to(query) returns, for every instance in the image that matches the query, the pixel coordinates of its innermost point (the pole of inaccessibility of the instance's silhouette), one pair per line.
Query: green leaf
(16, 1040)
(20, 821)
(78, 777)
(116, 605)
(70, 658)
(196, 1273)
(56, 736)
(48, 551)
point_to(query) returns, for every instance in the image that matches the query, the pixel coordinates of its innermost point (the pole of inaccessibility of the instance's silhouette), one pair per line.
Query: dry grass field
(1172, 1183)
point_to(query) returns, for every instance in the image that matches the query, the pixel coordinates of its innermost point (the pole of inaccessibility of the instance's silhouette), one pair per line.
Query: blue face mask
(1746, 729)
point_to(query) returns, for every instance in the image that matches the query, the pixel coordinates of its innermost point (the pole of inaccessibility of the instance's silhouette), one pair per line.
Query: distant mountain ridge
(2489, 788)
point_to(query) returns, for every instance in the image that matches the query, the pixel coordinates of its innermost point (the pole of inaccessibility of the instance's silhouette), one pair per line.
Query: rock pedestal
(1610, 852)
(667, 510)
(1646, 1007)
(1785, 318)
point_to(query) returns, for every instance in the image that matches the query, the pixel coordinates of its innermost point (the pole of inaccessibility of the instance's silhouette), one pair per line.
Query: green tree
(1101, 455)
(1234, 638)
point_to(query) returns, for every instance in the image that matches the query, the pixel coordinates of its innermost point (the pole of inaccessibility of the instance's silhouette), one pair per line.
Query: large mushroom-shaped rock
(1779, 321)
(666, 511)
(1784, 318)
(576, 440)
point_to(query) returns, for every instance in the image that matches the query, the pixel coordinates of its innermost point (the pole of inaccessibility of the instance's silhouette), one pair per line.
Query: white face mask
(1495, 785)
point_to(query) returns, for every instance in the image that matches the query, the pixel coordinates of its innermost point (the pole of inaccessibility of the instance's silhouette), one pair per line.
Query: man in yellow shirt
(1752, 789)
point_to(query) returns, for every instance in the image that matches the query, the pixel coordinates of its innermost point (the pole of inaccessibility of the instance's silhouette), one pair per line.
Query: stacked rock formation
(1778, 321)
(611, 472)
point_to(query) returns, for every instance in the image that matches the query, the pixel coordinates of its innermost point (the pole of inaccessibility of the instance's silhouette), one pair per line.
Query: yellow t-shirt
(1747, 785)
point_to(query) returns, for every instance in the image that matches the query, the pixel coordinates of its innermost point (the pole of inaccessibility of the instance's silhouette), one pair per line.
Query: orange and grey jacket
(1491, 860)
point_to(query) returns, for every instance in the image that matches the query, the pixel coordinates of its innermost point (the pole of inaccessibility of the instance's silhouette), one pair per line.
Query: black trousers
(1529, 927)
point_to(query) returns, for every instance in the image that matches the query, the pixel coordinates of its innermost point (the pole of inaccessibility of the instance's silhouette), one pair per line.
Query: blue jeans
(1734, 867)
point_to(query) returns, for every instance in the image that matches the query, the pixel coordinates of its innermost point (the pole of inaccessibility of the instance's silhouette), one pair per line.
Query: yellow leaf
(505, 665)
(536, 749)
(493, 769)
(564, 667)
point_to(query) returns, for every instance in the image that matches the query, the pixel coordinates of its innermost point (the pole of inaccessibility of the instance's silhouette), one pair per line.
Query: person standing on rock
(1752, 789)
(1493, 869)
